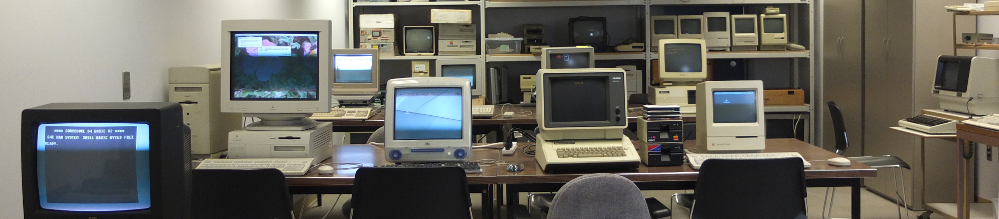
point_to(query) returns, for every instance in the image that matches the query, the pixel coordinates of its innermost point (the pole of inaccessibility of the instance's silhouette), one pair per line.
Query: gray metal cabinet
(843, 68)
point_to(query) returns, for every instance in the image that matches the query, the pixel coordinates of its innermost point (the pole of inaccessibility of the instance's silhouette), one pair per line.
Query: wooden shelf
(759, 54)
(976, 12)
(977, 46)
(787, 109)
(923, 134)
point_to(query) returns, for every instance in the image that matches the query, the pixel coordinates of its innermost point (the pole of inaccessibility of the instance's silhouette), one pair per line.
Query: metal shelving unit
(801, 14)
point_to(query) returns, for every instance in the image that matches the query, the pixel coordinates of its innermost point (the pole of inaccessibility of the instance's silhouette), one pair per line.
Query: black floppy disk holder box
(663, 141)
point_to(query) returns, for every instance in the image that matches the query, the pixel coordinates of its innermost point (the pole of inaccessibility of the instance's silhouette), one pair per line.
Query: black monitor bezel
(572, 29)
(962, 75)
(615, 99)
(164, 119)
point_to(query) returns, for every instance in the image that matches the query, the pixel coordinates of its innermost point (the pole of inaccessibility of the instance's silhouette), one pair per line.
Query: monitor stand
(281, 122)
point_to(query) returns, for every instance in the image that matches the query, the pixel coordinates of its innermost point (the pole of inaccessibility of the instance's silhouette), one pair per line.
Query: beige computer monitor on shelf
(663, 27)
(745, 34)
(773, 32)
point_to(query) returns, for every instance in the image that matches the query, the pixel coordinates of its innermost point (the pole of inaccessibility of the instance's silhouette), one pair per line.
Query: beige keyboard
(482, 111)
(344, 114)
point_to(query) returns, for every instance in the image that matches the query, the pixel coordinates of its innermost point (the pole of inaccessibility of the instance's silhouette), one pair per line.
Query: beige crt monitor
(690, 26)
(663, 27)
(773, 32)
(717, 31)
(682, 60)
(567, 57)
(745, 35)
(470, 69)
(967, 84)
(355, 71)
(730, 117)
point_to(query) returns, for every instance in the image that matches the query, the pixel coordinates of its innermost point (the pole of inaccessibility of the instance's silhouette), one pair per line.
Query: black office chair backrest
(259, 193)
(770, 188)
(411, 193)
(839, 128)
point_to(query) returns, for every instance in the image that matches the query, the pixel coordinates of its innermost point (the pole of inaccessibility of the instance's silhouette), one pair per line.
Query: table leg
(964, 181)
(855, 199)
(512, 200)
(487, 202)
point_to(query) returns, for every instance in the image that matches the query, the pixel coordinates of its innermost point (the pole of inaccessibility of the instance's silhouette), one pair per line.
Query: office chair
(378, 136)
(768, 188)
(599, 195)
(412, 193)
(877, 162)
(260, 193)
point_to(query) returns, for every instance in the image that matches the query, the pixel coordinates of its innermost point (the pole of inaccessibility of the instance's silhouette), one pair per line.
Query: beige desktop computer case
(197, 89)
(879, 61)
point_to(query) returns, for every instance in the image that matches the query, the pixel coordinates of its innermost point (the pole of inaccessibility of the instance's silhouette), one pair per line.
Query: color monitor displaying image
(274, 66)
(428, 113)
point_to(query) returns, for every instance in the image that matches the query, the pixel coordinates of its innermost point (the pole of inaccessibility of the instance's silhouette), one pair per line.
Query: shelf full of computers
(726, 32)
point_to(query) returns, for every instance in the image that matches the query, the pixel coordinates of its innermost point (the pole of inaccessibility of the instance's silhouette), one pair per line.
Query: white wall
(75, 51)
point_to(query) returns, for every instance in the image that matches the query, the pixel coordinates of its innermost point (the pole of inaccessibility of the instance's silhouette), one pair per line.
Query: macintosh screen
(734, 106)
(744, 25)
(275, 66)
(578, 98)
(93, 166)
(947, 77)
(717, 24)
(690, 26)
(352, 68)
(773, 25)
(569, 60)
(460, 71)
(681, 57)
(428, 113)
(588, 32)
(420, 40)
(664, 26)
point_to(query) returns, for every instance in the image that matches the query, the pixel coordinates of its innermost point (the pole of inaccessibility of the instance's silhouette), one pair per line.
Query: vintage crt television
(745, 35)
(355, 72)
(567, 57)
(470, 69)
(717, 31)
(589, 31)
(967, 84)
(691, 26)
(428, 119)
(730, 116)
(265, 75)
(663, 27)
(105, 160)
(419, 41)
(773, 32)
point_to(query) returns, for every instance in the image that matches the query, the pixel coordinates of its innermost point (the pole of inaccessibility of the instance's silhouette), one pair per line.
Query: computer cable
(331, 207)
(529, 150)
(967, 106)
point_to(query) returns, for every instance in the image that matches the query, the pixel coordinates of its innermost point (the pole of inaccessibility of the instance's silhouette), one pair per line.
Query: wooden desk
(533, 179)
(966, 208)
(522, 115)
(342, 181)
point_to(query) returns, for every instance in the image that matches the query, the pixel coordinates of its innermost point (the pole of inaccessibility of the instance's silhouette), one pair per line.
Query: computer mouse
(515, 167)
(325, 170)
(839, 161)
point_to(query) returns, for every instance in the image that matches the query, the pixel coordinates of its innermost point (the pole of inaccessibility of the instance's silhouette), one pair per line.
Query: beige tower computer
(196, 88)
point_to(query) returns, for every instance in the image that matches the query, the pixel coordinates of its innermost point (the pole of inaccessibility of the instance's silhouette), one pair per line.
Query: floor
(874, 206)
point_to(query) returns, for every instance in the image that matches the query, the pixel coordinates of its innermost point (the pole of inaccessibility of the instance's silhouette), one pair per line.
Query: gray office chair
(767, 188)
(599, 195)
(261, 193)
(378, 136)
(877, 162)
